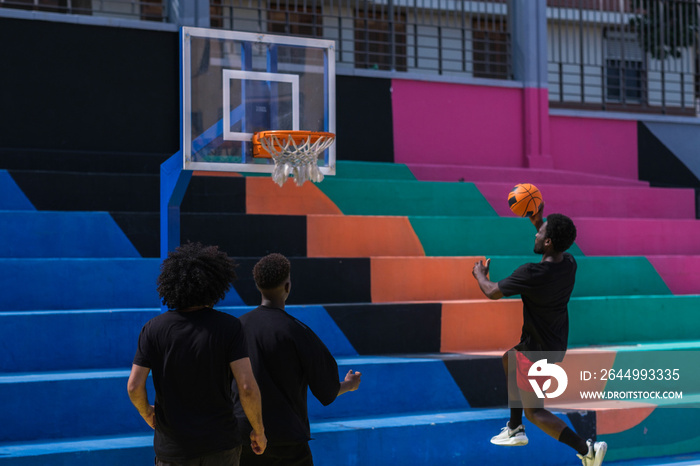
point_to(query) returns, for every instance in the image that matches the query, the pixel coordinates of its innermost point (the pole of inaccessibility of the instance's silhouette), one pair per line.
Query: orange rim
(299, 137)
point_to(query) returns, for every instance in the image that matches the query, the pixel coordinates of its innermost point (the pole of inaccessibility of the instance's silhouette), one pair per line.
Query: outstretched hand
(351, 382)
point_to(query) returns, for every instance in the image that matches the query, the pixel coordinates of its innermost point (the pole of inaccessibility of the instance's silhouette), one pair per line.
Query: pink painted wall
(591, 145)
(457, 124)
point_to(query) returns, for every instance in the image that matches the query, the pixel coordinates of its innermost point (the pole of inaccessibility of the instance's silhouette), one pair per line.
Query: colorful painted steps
(681, 272)
(89, 283)
(106, 338)
(601, 275)
(366, 197)
(40, 234)
(11, 196)
(601, 201)
(124, 192)
(360, 441)
(638, 236)
(514, 175)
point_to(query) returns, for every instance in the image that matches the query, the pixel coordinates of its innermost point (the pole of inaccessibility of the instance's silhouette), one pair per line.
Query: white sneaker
(511, 437)
(596, 453)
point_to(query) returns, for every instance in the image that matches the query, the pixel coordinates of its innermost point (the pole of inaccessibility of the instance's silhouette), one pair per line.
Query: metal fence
(631, 55)
(143, 10)
(430, 36)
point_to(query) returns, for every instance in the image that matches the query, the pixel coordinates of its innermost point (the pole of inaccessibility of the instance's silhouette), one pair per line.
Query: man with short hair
(288, 359)
(545, 289)
(195, 352)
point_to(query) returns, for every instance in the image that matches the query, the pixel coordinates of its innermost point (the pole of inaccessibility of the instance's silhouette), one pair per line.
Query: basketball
(525, 200)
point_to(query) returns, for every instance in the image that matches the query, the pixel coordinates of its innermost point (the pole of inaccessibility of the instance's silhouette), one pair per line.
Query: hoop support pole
(173, 185)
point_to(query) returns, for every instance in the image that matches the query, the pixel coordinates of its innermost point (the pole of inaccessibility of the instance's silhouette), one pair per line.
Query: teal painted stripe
(665, 432)
(400, 197)
(618, 320)
(598, 275)
(350, 169)
(476, 236)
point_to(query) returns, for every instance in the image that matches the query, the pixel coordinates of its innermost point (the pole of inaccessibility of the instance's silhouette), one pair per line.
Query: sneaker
(511, 437)
(596, 453)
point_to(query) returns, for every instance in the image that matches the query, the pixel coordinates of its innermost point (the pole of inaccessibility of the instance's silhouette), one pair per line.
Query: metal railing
(443, 37)
(631, 55)
(143, 10)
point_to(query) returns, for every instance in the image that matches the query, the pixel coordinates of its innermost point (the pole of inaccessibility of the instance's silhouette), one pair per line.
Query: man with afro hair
(195, 352)
(545, 288)
(288, 359)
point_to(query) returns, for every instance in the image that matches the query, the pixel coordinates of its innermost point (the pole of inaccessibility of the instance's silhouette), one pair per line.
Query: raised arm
(249, 394)
(136, 386)
(481, 273)
(538, 219)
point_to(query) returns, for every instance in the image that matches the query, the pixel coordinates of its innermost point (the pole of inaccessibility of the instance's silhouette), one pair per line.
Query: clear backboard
(235, 84)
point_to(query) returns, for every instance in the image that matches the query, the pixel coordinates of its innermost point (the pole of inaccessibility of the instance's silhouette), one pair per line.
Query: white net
(296, 158)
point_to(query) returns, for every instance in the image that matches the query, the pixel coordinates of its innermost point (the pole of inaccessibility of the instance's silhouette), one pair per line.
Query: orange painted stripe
(360, 236)
(612, 421)
(481, 325)
(423, 279)
(612, 417)
(264, 196)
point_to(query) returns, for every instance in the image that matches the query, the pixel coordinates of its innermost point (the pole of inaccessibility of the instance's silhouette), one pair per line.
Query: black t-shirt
(288, 359)
(545, 289)
(189, 355)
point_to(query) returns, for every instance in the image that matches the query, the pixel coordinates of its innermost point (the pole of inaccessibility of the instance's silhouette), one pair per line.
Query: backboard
(234, 84)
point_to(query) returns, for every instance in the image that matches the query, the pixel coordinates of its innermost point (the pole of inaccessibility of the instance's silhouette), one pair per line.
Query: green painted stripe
(476, 236)
(633, 319)
(665, 432)
(401, 197)
(598, 276)
(349, 169)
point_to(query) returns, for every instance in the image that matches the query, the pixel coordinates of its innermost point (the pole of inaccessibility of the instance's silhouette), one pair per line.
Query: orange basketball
(525, 200)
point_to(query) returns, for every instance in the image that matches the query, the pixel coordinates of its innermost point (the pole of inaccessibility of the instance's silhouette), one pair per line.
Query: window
(289, 18)
(490, 48)
(625, 70)
(380, 41)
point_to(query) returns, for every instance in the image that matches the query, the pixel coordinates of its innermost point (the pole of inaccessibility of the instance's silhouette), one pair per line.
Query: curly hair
(271, 271)
(561, 230)
(194, 274)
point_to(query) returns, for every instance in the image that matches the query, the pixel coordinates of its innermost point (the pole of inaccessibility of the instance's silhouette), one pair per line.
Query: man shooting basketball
(545, 289)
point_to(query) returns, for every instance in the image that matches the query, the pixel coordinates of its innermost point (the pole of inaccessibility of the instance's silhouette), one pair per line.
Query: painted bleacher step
(601, 201)
(599, 275)
(129, 192)
(441, 236)
(446, 438)
(38, 234)
(367, 197)
(680, 272)
(515, 175)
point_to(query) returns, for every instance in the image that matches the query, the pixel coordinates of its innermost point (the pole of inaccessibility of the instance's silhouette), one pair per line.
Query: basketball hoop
(294, 153)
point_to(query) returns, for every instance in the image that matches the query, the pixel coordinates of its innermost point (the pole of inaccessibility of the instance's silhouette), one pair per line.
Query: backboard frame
(222, 129)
